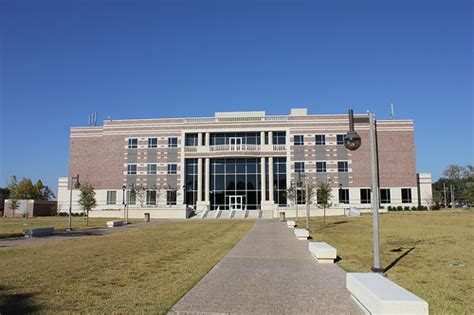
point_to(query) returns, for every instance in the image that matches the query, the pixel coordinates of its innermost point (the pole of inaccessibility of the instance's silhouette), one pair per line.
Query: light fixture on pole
(352, 141)
(77, 185)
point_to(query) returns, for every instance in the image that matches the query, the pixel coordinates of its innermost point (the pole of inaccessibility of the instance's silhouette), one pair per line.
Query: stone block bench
(375, 294)
(291, 224)
(301, 234)
(114, 223)
(322, 252)
(38, 231)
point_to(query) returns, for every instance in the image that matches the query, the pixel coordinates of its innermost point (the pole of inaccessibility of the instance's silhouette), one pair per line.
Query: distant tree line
(25, 189)
(456, 187)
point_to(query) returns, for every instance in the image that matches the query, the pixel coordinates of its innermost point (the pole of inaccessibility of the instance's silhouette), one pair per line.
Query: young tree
(87, 199)
(14, 205)
(140, 194)
(324, 197)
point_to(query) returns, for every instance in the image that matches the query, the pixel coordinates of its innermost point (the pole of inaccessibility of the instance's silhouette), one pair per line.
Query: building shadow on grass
(393, 263)
(17, 303)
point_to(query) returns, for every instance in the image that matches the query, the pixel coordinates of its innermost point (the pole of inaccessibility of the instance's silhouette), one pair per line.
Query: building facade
(239, 161)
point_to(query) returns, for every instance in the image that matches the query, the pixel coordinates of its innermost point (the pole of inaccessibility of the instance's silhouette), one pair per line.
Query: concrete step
(254, 214)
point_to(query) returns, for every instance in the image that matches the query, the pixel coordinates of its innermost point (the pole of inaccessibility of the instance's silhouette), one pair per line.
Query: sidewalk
(269, 271)
(20, 241)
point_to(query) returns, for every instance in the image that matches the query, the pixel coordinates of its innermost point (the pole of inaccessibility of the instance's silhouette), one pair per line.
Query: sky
(62, 60)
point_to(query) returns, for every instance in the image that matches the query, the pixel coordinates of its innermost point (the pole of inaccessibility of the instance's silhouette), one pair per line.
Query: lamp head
(352, 140)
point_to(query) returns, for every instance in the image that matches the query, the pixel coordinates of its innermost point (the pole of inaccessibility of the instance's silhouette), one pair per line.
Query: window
(172, 142)
(153, 142)
(406, 195)
(133, 143)
(111, 197)
(171, 168)
(151, 197)
(320, 139)
(279, 137)
(300, 197)
(171, 197)
(298, 139)
(151, 169)
(365, 195)
(385, 195)
(132, 169)
(343, 195)
(191, 139)
(340, 139)
(320, 167)
(299, 167)
(342, 166)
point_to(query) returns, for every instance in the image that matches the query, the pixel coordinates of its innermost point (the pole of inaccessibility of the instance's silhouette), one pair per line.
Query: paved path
(20, 241)
(269, 272)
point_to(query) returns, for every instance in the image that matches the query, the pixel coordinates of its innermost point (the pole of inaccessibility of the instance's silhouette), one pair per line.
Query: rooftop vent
(299, 112)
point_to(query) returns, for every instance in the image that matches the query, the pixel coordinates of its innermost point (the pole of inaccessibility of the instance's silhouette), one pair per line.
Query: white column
(199, 139)
(270, 178)
(270, 137)
(262, 137)
(199, 192)
(262, 178)
(207, 178)
(208, 139)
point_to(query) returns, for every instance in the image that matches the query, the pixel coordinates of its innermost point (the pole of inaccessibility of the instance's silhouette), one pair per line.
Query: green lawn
(144, 270)
(431, 241)
(12, 227)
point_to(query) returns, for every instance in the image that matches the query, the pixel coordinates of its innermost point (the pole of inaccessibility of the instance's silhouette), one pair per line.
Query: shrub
(399, 208)
(406, 208)
(382, 207)
(435, 208)
(414, 208)
(389, 208)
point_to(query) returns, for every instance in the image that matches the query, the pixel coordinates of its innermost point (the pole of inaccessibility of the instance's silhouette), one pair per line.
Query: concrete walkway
(58, 236)
(269, 272)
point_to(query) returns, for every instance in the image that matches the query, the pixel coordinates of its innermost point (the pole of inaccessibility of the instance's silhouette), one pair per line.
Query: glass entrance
(235, 202)
(235, 143)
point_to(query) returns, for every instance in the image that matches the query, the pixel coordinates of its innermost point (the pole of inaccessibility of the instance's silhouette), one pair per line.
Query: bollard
(147, 217)
(282, 216)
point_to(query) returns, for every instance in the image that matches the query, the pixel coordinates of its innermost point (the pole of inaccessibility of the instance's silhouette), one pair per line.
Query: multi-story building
(239, 161)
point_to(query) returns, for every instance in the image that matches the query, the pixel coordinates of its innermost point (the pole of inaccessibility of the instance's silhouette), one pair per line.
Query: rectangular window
(279, 137)
(132, 169)
(343, 195)
(133, 143)
(342, 166)
(111, 197)
(299, 167)
(191, 139)
(365, 195)
(172, 142)
(340, 139)
(406, 195)
(385, 195)
(172, 168)
(171, 197)
(153, 142)
(320, 167)
(298, 139)
(151, 197)
(320, 139)
(300, 197)
(151, 169)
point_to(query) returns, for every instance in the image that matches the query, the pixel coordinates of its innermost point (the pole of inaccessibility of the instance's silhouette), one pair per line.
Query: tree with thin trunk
(87, 199)
(14, 205)
(324, 196)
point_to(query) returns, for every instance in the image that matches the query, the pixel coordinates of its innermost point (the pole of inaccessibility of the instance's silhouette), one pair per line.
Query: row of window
(151, 169)
(152, 143)
(321, 167)
(365, 196)
(150, 197)
(319, 139)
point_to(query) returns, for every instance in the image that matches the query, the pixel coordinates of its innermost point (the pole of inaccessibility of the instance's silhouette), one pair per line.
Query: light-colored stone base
(322, 252)
(301, 234)
(291, 224)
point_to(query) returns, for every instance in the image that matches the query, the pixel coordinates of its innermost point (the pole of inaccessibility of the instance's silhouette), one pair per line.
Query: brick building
(239, 161)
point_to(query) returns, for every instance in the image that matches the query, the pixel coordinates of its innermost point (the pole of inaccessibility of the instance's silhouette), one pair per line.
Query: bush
(382, 207)
(414, 208)
(399, 208)
(63, 214)
(406, 208)
(435, 208)
(390, 208)
(422, 208)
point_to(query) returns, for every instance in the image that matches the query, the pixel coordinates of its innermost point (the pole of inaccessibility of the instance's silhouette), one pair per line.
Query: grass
(419, 245)
(13, 227)
(144, 270)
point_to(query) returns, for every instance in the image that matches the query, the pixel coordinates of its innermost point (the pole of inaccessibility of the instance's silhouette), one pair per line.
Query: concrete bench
(114, 223)
(291, 224)
(38, 231)
(375, 294)
(322, 252)
(301, 234)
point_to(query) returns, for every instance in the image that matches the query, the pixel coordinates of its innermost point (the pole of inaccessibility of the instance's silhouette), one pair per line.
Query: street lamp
(184, 194)
(125, 201)
(77, 185)
(352, 141)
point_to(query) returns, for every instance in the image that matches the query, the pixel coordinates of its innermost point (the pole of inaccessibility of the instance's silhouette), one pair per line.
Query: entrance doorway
(235, 202)
(235, 143)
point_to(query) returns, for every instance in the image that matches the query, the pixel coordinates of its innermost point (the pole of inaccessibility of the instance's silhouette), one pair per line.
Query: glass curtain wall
(191, 181)
(279, 181)
(235, 177)
(224, 138)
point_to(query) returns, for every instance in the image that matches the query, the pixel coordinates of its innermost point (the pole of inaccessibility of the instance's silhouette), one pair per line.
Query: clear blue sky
(61, 60)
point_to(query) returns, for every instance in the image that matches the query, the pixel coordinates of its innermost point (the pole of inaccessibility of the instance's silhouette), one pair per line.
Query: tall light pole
(352, 141)
(76, 185)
